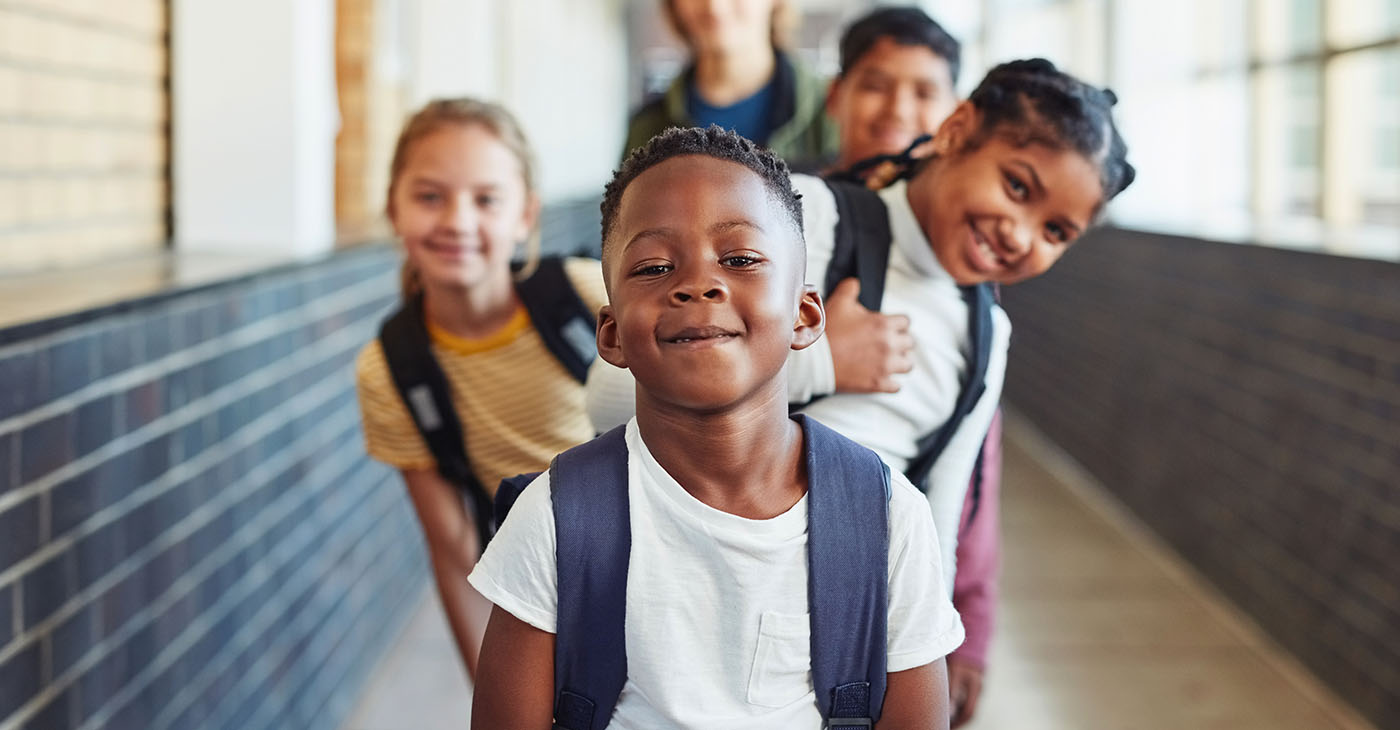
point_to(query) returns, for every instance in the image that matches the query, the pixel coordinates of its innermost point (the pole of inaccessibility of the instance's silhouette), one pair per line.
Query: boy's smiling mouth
(709, 335)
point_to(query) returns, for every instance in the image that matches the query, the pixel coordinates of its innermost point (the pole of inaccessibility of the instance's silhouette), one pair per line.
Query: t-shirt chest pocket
(782, 662)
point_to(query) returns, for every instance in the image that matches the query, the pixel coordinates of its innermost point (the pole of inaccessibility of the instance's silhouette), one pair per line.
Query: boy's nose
(901, 103)
(699, 288)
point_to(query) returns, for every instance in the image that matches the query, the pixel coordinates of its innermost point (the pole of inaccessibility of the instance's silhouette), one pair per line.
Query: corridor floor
(1100, 629)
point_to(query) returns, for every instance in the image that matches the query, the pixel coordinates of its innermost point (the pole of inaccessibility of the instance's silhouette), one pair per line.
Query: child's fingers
(903, 344)
(847, 290)
(900, 322)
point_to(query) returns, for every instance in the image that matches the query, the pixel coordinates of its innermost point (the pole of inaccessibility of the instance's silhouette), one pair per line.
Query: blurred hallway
(1100, 629)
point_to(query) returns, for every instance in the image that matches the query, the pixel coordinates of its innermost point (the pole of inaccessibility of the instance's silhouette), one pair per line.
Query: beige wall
(83, 143)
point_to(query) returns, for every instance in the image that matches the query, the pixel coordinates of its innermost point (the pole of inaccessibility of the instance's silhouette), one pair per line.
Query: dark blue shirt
(749, 117)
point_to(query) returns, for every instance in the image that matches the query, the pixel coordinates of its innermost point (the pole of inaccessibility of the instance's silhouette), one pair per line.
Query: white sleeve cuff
(936, 648)
(493, 592)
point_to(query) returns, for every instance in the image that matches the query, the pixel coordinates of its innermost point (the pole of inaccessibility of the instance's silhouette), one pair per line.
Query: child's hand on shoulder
(867, 348)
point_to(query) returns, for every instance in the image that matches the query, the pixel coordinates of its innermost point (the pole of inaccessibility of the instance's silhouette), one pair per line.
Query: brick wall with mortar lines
(1245, 402)
(193, 535)
(83, 130)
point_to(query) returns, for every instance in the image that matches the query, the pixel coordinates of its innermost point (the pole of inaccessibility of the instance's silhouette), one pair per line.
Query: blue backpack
(847, 559)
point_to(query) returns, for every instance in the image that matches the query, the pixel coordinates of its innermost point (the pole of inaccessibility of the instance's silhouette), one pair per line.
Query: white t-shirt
(717, 624)
(889, 424)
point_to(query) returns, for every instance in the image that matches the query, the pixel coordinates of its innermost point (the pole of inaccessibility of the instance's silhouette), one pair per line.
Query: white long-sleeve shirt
(888, 423)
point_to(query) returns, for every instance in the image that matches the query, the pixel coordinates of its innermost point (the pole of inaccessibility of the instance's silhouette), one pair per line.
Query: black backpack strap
(425, 391)
(979, 308)
(979, 470)
(593, 542)
(847, 590)
(904, 162)
(558, 313)
(862, 246)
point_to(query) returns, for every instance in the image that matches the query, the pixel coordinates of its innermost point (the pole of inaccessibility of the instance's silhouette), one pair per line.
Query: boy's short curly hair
(715, 142)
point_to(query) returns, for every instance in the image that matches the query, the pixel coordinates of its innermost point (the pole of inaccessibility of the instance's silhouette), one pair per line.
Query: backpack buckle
(842, 722)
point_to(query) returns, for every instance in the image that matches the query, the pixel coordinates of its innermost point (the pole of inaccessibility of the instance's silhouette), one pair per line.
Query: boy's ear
(811, 319)
(608, 346)
(956, 130)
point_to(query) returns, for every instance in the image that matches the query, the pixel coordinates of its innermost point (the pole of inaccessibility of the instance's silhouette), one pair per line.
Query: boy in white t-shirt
(1017, 174)
(704, 261)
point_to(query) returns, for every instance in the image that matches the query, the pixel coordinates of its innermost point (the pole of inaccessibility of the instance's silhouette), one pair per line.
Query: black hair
(1032, 101)
(715, 142)
(907, 26)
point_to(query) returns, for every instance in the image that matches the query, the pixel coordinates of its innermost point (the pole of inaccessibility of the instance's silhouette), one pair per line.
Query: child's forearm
(516, 688)
(916, 699)
(452, 548)
(465, 609)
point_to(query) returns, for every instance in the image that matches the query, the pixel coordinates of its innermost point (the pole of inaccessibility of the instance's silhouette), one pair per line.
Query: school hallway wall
(1244, 403)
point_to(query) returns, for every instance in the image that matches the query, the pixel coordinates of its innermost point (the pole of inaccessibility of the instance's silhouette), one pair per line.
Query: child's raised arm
(916, 698)
(515, 681)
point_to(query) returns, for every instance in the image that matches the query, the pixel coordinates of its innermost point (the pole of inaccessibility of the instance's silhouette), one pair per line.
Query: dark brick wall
(191, 535)
(1245, 403)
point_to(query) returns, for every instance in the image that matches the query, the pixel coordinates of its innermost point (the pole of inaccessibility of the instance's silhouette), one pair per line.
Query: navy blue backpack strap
(564, 322)
(509, 491)
(862, 245)
(979, 300)
(847, 559)
(425, 391)
(593, 543)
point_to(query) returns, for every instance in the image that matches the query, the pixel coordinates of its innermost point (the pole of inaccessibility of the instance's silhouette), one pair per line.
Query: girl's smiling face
(460, 206)
(1000, 211)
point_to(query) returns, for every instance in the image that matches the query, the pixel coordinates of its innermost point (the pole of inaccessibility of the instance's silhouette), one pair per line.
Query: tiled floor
(1100, 630)
(421, 684)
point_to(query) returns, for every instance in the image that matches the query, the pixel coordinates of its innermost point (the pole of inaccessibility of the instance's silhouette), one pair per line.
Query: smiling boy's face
(890, 96)
(705, 273)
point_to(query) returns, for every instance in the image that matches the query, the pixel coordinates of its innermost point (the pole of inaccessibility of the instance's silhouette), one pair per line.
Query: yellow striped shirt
(518, 405)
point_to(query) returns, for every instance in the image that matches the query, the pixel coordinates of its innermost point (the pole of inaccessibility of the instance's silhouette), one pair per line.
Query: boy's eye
(739, 261)
(487, 201)
(876, 84)
(1019, 190)
(427, 196)
(1056, 233)
(651, 270)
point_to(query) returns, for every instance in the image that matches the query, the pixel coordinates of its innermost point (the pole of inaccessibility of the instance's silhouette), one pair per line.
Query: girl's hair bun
(1032, 66)
(1035, 100)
